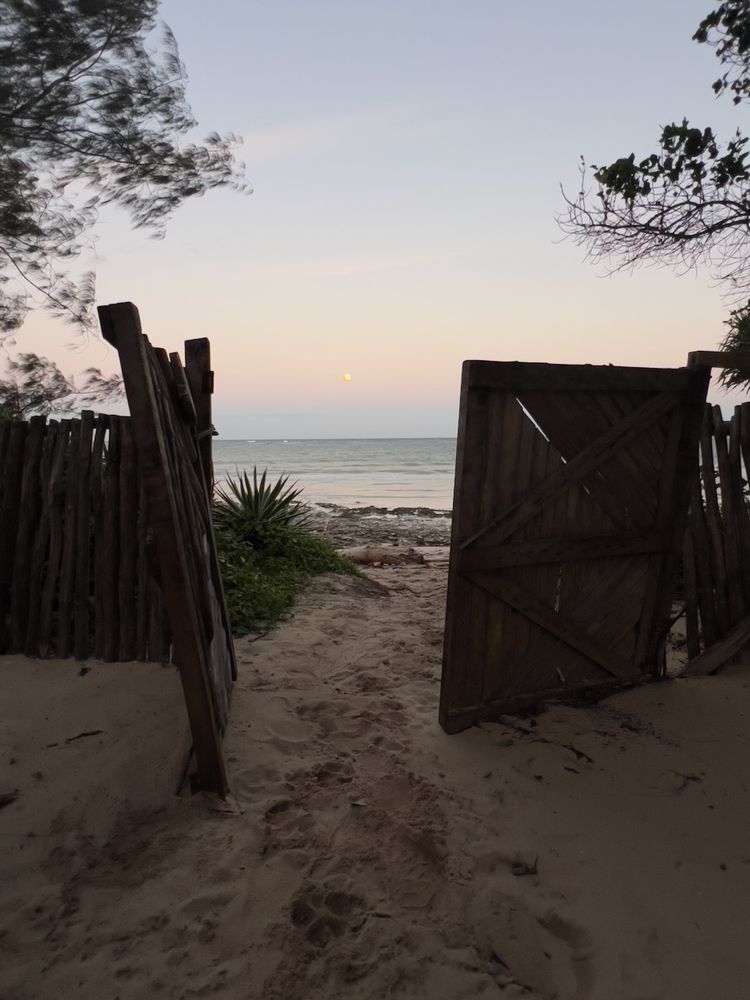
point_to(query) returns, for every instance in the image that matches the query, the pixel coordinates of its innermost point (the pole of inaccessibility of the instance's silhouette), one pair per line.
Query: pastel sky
(406, 158)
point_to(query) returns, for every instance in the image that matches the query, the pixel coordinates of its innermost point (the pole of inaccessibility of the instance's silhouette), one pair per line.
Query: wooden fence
(716, 557)
(171, 423)
(76, 546)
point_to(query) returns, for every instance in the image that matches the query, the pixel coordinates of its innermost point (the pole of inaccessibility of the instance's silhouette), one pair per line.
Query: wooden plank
(520, 377)
(56, 508)
(550, 550)
(689, 582)
(184, 395)
(63, 642)
(9, 516)
(556, 624)
(701, 549)
(201, 381)
(680, 464)
(121, 326)
(143, 574)
(722, 652)
(41, 541)
(82, 645)
(729, 522)
(739, 510)
(96, 477)
(28, 523)
(127, 585)
(461, 676)
(575, 470)
(714, 524)
(720, 359)
(111, 543)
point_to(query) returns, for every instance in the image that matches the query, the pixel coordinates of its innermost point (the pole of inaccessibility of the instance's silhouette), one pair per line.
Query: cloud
(301, 138)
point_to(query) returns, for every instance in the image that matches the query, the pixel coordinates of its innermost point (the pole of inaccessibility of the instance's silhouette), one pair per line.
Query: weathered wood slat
(200, 380)
(82, 644)
(28, 523)
(41, 541)
(110, 565)
(551, 550)
(97, 472)
(56, 509)
(66, 587)
(521, 376)
(713, 522)
(128, 548)
(12, 483)
(722, 652)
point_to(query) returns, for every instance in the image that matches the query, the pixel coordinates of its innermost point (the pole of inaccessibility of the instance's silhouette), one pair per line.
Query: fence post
(201, 381)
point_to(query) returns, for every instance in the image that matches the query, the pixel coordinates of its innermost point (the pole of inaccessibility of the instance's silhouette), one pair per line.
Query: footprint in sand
(324, 915)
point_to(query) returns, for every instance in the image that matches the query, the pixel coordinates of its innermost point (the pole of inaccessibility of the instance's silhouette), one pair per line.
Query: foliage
(89, 115)
(736, 339)
(266, 562)
(249, 509)
(34, 384)
(688, 202)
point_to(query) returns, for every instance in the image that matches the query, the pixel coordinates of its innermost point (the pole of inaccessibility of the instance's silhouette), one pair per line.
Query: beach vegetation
(266, 552)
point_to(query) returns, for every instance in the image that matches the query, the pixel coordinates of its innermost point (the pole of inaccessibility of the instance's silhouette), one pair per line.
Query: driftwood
(380, 555)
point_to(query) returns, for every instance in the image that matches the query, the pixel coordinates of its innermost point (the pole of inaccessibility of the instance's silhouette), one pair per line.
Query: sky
(406, 159)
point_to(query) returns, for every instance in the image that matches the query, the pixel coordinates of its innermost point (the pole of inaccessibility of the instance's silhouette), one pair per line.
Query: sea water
(354, 472)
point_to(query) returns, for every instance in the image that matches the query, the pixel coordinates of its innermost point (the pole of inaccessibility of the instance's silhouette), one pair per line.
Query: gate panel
(571, 493)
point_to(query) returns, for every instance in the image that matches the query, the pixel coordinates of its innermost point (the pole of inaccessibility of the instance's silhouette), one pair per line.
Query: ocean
(351, 472)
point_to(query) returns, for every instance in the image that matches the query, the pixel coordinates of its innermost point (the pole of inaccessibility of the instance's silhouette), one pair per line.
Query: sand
(596, 853)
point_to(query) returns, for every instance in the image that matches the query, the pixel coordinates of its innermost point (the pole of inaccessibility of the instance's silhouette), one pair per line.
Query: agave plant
(251, 509)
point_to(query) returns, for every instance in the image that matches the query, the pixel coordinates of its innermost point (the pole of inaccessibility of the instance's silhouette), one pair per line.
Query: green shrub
(249, 508)
(265, 555)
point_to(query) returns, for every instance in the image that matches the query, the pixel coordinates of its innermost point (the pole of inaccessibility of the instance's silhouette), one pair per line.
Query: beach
(587, 853)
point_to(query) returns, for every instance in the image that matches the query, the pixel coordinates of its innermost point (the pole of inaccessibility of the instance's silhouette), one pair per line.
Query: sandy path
(599, 854)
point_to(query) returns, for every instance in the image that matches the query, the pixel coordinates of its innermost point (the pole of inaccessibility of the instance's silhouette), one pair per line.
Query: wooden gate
(571, 494)
(176, 480)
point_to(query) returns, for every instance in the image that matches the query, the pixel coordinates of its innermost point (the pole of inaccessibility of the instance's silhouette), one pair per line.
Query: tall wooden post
(201, 381)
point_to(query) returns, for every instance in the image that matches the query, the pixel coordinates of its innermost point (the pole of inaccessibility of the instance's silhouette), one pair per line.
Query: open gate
(571, 494)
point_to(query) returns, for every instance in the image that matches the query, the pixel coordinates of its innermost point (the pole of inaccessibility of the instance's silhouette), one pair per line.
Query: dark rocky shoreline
(346, 526)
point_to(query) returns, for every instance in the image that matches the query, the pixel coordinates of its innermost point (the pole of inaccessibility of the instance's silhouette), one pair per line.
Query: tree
(35, 385)
(89, 116)
(688, 203)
